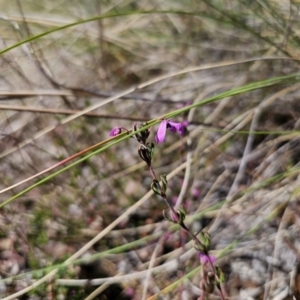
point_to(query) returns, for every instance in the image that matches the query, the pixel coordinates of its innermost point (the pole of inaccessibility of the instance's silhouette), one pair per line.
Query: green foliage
(38, 235)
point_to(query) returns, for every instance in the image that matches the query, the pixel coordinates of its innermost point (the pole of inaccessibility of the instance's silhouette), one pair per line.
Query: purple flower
(162, 129)
(175, 127)
(115, 131)
(195, 192)
(129, 292)
(185, 123)
(205, 259)
(187, 103)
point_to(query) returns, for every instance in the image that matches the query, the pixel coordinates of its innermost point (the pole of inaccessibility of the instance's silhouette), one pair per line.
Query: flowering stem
(163, 195)
(186, 229)
(145, 151)
(171, 207)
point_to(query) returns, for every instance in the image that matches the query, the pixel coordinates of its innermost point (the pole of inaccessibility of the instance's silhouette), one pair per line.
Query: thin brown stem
(176, 219)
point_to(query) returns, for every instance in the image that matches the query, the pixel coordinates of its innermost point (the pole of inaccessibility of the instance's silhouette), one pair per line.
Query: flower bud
(170, 216)
(205, 239)
(220, 275)
(143, 135)
(164, 183)
(155, 186)
(181, 214)
(198, 246)
(115, 131)
(146, 152)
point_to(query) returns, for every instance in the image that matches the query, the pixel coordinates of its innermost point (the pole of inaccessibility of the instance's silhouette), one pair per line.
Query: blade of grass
(97, 18)
(127, 92)
(233, 20)
(246, 88)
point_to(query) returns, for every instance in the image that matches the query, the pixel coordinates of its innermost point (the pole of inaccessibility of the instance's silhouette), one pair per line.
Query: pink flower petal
(185, 123)
(115, 131)
(161, 132)
(205, 259)
(195, 192)
(175, 127)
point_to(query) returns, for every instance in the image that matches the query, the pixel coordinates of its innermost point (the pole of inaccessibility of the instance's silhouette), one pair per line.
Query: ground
(78, 217)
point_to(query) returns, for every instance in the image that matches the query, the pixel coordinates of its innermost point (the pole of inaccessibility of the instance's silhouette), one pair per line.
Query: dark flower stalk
(214, 277)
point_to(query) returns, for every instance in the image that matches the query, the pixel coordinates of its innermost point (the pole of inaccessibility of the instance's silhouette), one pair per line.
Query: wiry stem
(183, 226)
(145, 151)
